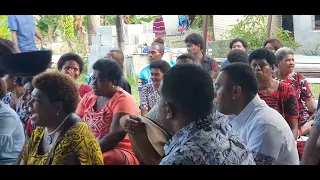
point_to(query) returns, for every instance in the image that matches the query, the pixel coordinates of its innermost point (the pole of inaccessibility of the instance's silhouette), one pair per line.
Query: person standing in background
(23, 31)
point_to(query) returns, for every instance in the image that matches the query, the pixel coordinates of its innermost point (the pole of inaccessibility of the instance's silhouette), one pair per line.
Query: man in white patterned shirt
(266, 133)
(200, 137)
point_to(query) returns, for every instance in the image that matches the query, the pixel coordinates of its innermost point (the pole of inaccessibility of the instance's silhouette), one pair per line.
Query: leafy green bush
(4, 28)
(253, 29)
(286, 38)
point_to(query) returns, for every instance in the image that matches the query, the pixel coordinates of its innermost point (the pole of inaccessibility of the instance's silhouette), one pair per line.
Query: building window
(317, 22)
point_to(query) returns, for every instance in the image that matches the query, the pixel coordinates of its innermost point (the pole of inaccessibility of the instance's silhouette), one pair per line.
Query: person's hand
(308, 125)
(130, 123)
(71, 73)
(312, 116)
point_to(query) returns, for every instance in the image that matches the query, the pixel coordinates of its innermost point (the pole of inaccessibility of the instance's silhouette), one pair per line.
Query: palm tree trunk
(93, 23)
(120, 38)
(269, 26)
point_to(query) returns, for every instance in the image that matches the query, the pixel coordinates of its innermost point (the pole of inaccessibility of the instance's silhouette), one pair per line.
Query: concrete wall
(222, 24)
(304, 32)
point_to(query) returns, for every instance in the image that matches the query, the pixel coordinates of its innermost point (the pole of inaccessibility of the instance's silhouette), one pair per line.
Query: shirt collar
(242, 118)
(183, 132)
(205, 58)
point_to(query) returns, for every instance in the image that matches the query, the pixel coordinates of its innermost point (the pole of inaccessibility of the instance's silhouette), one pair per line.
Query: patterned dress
(207, 141)
(78, 139)
(99, 122)
(148, 97)
(283, 100)
(301, 86)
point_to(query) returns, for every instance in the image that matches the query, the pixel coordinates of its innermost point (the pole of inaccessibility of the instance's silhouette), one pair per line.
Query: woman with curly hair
(72, 64)
(102, 110)
(61, 137)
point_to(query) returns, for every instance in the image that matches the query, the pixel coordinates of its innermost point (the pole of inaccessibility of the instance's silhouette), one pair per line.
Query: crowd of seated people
(251, 110)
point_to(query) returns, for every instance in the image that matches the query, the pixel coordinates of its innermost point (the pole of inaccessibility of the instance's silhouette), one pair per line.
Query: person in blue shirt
(156, 52)
(237, 43)
(23, 31)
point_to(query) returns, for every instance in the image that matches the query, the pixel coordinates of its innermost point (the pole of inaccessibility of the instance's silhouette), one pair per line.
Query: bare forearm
(293, 123)
(110, 141)
(311, 105)
(15, 40)
(38, 34)
(305, 130)
(143, 149)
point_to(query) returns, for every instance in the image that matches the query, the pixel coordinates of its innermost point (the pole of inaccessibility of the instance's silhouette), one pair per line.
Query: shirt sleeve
(153, 114)
(125, 104)
(7, 127)
(13, 23)
(260, 141)
(317, 119)
(144, 98)
(224, 63)
(291, 107)
(304, 87)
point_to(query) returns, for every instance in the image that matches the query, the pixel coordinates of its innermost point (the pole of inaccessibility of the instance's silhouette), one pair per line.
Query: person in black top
(118, 56)
(195, 43)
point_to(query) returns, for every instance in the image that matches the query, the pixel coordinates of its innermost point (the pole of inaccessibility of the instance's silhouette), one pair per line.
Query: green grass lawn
(315, 89)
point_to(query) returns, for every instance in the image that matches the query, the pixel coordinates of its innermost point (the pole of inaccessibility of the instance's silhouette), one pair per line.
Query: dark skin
(195, 50)
(49, 115)
(140, 143)
(230, 99)
(155, 53)
(15, 89)
(105, 90)
(267, 85)
(116, 57)
(138, 136)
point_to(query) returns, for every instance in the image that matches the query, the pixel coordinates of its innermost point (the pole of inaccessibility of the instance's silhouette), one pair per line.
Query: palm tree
(93, 23)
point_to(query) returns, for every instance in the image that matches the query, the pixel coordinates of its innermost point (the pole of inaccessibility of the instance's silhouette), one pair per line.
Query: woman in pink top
(102, 110)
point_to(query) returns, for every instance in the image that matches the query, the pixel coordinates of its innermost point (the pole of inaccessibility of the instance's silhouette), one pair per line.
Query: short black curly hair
(160, 64)
(68, 57)
(263, 54)
(238, 55)
(58, 87)
(189, 88)
(109, 70)
(3, 89)
(242, 41)
(195, 39)
(194, 58)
